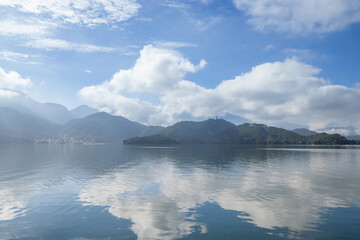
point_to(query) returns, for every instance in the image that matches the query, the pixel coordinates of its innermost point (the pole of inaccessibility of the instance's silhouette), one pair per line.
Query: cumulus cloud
(106, 99)
(156, 71)
(287, 90)
(12, 80)
(86, 12)
(300, 16)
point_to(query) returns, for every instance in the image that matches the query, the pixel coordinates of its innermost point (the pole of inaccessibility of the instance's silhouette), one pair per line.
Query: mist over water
(188, 192)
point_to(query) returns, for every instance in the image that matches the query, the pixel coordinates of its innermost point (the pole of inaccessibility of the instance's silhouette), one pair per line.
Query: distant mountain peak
(83, 111)
(304, 132)
(104, 127)
(19, 101)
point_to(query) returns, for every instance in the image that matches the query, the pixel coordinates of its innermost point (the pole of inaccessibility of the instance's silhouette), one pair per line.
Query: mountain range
(219, 131)
(24, 120)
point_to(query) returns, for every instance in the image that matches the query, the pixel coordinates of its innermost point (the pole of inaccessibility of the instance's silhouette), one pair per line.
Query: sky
(157, 61)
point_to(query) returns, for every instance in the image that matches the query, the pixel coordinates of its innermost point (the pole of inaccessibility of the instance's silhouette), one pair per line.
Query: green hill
(209, 131)
(329, 139)
(262, 134)
(222, 132)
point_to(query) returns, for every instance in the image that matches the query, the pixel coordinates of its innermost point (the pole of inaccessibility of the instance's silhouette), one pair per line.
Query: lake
(180, 192)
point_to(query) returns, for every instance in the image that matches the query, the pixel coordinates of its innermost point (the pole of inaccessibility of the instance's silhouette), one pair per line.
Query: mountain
(15, 125)
(83, 111)
(353, 137)
(105, 128)
(262, 134)
(329, 139)
(304, 132)
(15, 140)
(22, 103)
(289, 126)
(235, 119)
(208, 131)
(219, 131)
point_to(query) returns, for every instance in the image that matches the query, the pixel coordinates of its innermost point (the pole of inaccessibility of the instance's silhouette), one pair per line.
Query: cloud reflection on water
(10, 206)
(161, 198)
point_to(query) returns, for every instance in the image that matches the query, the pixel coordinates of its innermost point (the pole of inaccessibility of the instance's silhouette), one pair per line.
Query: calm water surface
(199, 192)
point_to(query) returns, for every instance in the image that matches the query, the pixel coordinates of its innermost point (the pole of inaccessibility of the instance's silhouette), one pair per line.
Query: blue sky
(154, 61)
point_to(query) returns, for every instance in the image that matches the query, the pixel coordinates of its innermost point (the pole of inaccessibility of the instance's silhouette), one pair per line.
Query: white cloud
(36, 35)
(302, 54)
(269, 47)
(8, 94)
(86, 12)
(173, 44)
(59, 44)
(12, 80)
(175, 4)
(271, 92)
(341, 131)
(144, 19)
(31, 28)
(18, 57)
(204, 24)
(206, 1)
(106, 99)
(300, 16)
(35, 21)
(156, 71)
(13, 56)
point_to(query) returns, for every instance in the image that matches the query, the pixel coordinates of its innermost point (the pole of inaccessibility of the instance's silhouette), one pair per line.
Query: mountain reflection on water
(167, 193)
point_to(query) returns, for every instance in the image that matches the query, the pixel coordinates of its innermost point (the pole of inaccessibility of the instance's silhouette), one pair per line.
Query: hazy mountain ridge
(235, 119)
(22, 119)
(55, 113)
(83, 111)
(304, 132)
(100, 127)
(18, 125)
(353, 137)
(105, 128)
(52, 112)
(15, 140)
(219, 131)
